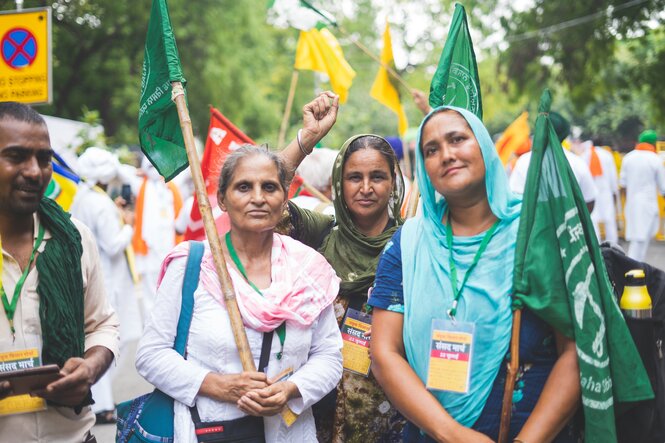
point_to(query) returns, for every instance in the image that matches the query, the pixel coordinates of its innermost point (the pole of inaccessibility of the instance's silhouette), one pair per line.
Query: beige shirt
(56, 424)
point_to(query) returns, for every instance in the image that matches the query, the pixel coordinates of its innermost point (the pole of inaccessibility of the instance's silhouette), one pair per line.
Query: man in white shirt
(604, 172)
(643, 176)
(158, 204)
(579, 167)
(56, 307)
(112, 229)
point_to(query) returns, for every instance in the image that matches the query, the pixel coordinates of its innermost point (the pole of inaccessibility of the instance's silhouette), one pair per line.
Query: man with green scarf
(55, 307)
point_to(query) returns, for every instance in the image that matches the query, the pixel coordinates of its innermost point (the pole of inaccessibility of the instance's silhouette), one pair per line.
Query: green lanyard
(281, 329)
(453, 268)
(10, 308)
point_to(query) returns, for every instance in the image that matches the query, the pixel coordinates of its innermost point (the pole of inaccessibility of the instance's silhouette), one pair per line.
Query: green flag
(456, 81)
(561, 276)
(159, 128)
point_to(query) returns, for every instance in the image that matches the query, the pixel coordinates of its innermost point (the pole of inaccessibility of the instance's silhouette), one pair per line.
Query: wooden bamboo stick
(364, 49)
(315, 192)
(414, 195)
(511, 375)
(287, 109)
(407, 159)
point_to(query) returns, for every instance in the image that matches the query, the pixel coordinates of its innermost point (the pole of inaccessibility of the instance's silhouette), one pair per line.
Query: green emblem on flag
(159, 127)
(560, 275)
(456, 82)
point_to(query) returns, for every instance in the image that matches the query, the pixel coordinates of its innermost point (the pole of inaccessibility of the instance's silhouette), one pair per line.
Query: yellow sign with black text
(25, 56)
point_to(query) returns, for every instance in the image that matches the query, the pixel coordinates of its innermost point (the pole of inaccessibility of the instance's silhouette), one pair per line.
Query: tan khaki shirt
(56, 424)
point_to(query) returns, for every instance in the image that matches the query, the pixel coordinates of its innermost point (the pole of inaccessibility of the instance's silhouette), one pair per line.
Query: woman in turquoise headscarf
(454, 264)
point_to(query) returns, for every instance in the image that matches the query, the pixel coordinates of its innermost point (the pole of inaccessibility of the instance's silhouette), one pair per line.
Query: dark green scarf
(353, 255)
(60, 286)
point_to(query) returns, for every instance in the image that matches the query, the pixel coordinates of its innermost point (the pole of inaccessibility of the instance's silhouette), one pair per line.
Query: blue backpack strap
(189, 284)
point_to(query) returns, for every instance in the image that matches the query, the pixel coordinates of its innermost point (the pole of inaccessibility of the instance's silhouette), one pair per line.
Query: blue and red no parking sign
(18, 48)
(25, 56)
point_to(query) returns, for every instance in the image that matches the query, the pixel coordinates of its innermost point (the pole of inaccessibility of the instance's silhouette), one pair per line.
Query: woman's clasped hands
(252, 391)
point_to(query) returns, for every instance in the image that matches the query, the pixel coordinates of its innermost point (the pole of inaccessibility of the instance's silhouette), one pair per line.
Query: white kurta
(313, 352)
(158, 231)
(580, 169)
(607, 185)
(158, 225)
(100, 214)
(643, 176)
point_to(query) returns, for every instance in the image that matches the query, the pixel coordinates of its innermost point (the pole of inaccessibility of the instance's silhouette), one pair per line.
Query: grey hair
(246, 151)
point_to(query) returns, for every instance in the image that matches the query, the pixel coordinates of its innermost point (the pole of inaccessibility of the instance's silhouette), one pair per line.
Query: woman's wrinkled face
(254, 198)
(366, 185)
(453, 160)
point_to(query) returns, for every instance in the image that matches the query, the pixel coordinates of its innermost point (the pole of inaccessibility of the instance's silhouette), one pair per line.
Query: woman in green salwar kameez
(368, 190)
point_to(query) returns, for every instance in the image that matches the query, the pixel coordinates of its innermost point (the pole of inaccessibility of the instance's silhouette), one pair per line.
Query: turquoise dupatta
(486, 300)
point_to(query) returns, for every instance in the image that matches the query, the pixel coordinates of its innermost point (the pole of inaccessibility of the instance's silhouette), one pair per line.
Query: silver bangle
(302, 148)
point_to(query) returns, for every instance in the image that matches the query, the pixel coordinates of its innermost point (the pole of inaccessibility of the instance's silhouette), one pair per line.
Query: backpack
(644, 421)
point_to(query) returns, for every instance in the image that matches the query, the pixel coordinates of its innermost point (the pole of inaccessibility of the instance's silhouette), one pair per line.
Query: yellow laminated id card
(17, 360)
(355, 353)
(450, 356)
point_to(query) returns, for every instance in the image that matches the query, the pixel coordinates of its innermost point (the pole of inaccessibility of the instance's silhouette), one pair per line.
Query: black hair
(20, 112)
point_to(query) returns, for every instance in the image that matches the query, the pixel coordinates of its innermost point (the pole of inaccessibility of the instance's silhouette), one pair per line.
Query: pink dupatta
(302, 285)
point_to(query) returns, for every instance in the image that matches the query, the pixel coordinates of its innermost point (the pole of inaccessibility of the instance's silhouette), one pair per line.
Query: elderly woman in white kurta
(280, 285)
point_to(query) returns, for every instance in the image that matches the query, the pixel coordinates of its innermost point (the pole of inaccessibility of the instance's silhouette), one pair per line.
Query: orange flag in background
(515, 139)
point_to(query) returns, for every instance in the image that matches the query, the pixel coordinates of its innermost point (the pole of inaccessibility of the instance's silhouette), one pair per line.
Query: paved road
(656, 254)
(128, 384)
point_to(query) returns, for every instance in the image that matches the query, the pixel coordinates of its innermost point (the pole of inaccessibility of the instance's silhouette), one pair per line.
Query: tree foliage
(576, 44)
(603, 72)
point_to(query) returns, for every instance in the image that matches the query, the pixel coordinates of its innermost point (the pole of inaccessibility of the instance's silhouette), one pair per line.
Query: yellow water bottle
(635, 300)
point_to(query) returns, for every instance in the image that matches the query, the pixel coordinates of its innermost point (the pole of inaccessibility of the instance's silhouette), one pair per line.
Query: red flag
(223, 137)
(296, 187)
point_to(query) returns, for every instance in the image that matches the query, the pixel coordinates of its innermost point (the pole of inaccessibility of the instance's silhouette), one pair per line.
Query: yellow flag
(515, 139)
(383, 89)
(66, 190)
(319, 50)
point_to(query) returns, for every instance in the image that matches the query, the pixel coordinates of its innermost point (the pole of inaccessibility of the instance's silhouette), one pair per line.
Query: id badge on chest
(14, 361)
(355, 353)
(450, 356)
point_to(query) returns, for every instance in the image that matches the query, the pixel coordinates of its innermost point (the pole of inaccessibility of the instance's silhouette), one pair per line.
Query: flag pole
(237, 326)
(287, 109)
(364, 49)
(407, 159)
(414, 195)
(511, 376)
(315, 192)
